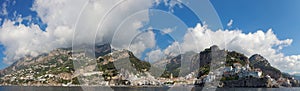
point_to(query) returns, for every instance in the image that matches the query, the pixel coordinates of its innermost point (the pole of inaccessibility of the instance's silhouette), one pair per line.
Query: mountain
(27, 69)
(57, 68)
(122, 67)
(296, 76)
(175, 66)
(59, 64)
(201, 62)
(27, 61)
(101, 50)
(245, 72)
(258, 61)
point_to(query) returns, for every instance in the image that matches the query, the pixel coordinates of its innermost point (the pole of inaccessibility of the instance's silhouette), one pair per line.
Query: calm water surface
(33, 88)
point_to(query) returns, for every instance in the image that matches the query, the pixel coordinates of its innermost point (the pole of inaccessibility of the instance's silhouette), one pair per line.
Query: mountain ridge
(59, 62)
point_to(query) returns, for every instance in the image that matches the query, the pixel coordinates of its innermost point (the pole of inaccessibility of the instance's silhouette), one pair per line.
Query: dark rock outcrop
(101, 50)
(258, 59)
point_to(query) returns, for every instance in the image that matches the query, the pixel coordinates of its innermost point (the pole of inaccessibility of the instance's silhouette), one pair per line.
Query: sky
(251, 15)
(267, 27)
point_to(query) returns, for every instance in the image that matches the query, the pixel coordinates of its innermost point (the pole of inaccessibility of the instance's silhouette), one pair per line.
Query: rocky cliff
(204, 62)
(258, 61)
(201, 62)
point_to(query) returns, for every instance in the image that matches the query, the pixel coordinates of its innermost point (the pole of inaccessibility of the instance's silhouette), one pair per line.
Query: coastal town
(126, 79)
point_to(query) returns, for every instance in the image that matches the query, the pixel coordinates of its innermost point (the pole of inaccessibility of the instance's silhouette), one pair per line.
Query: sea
(97, 88)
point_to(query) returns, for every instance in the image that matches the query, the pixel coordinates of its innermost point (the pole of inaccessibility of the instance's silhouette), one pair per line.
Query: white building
(227, 69)
(209, 78)
(245, 73)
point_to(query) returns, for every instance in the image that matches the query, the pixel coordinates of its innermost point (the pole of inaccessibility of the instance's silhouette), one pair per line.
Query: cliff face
(183, 64)
(102, 50)
(189, 62)
(258, 61)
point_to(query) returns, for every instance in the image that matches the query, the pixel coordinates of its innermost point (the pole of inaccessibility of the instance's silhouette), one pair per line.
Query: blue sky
(248, 15)
(282, 16)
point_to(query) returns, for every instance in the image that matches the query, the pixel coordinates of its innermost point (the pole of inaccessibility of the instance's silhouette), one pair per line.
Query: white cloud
(4, 10)
(171, 51)
(265, 43)
(142, 42)
(170, 3)
(22, 40)
(155, 55)
(229, 24)
(157, 2)
(167, 30)
(61, 16)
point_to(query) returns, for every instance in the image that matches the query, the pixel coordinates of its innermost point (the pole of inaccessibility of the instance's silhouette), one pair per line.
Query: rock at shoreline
(249, 82)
